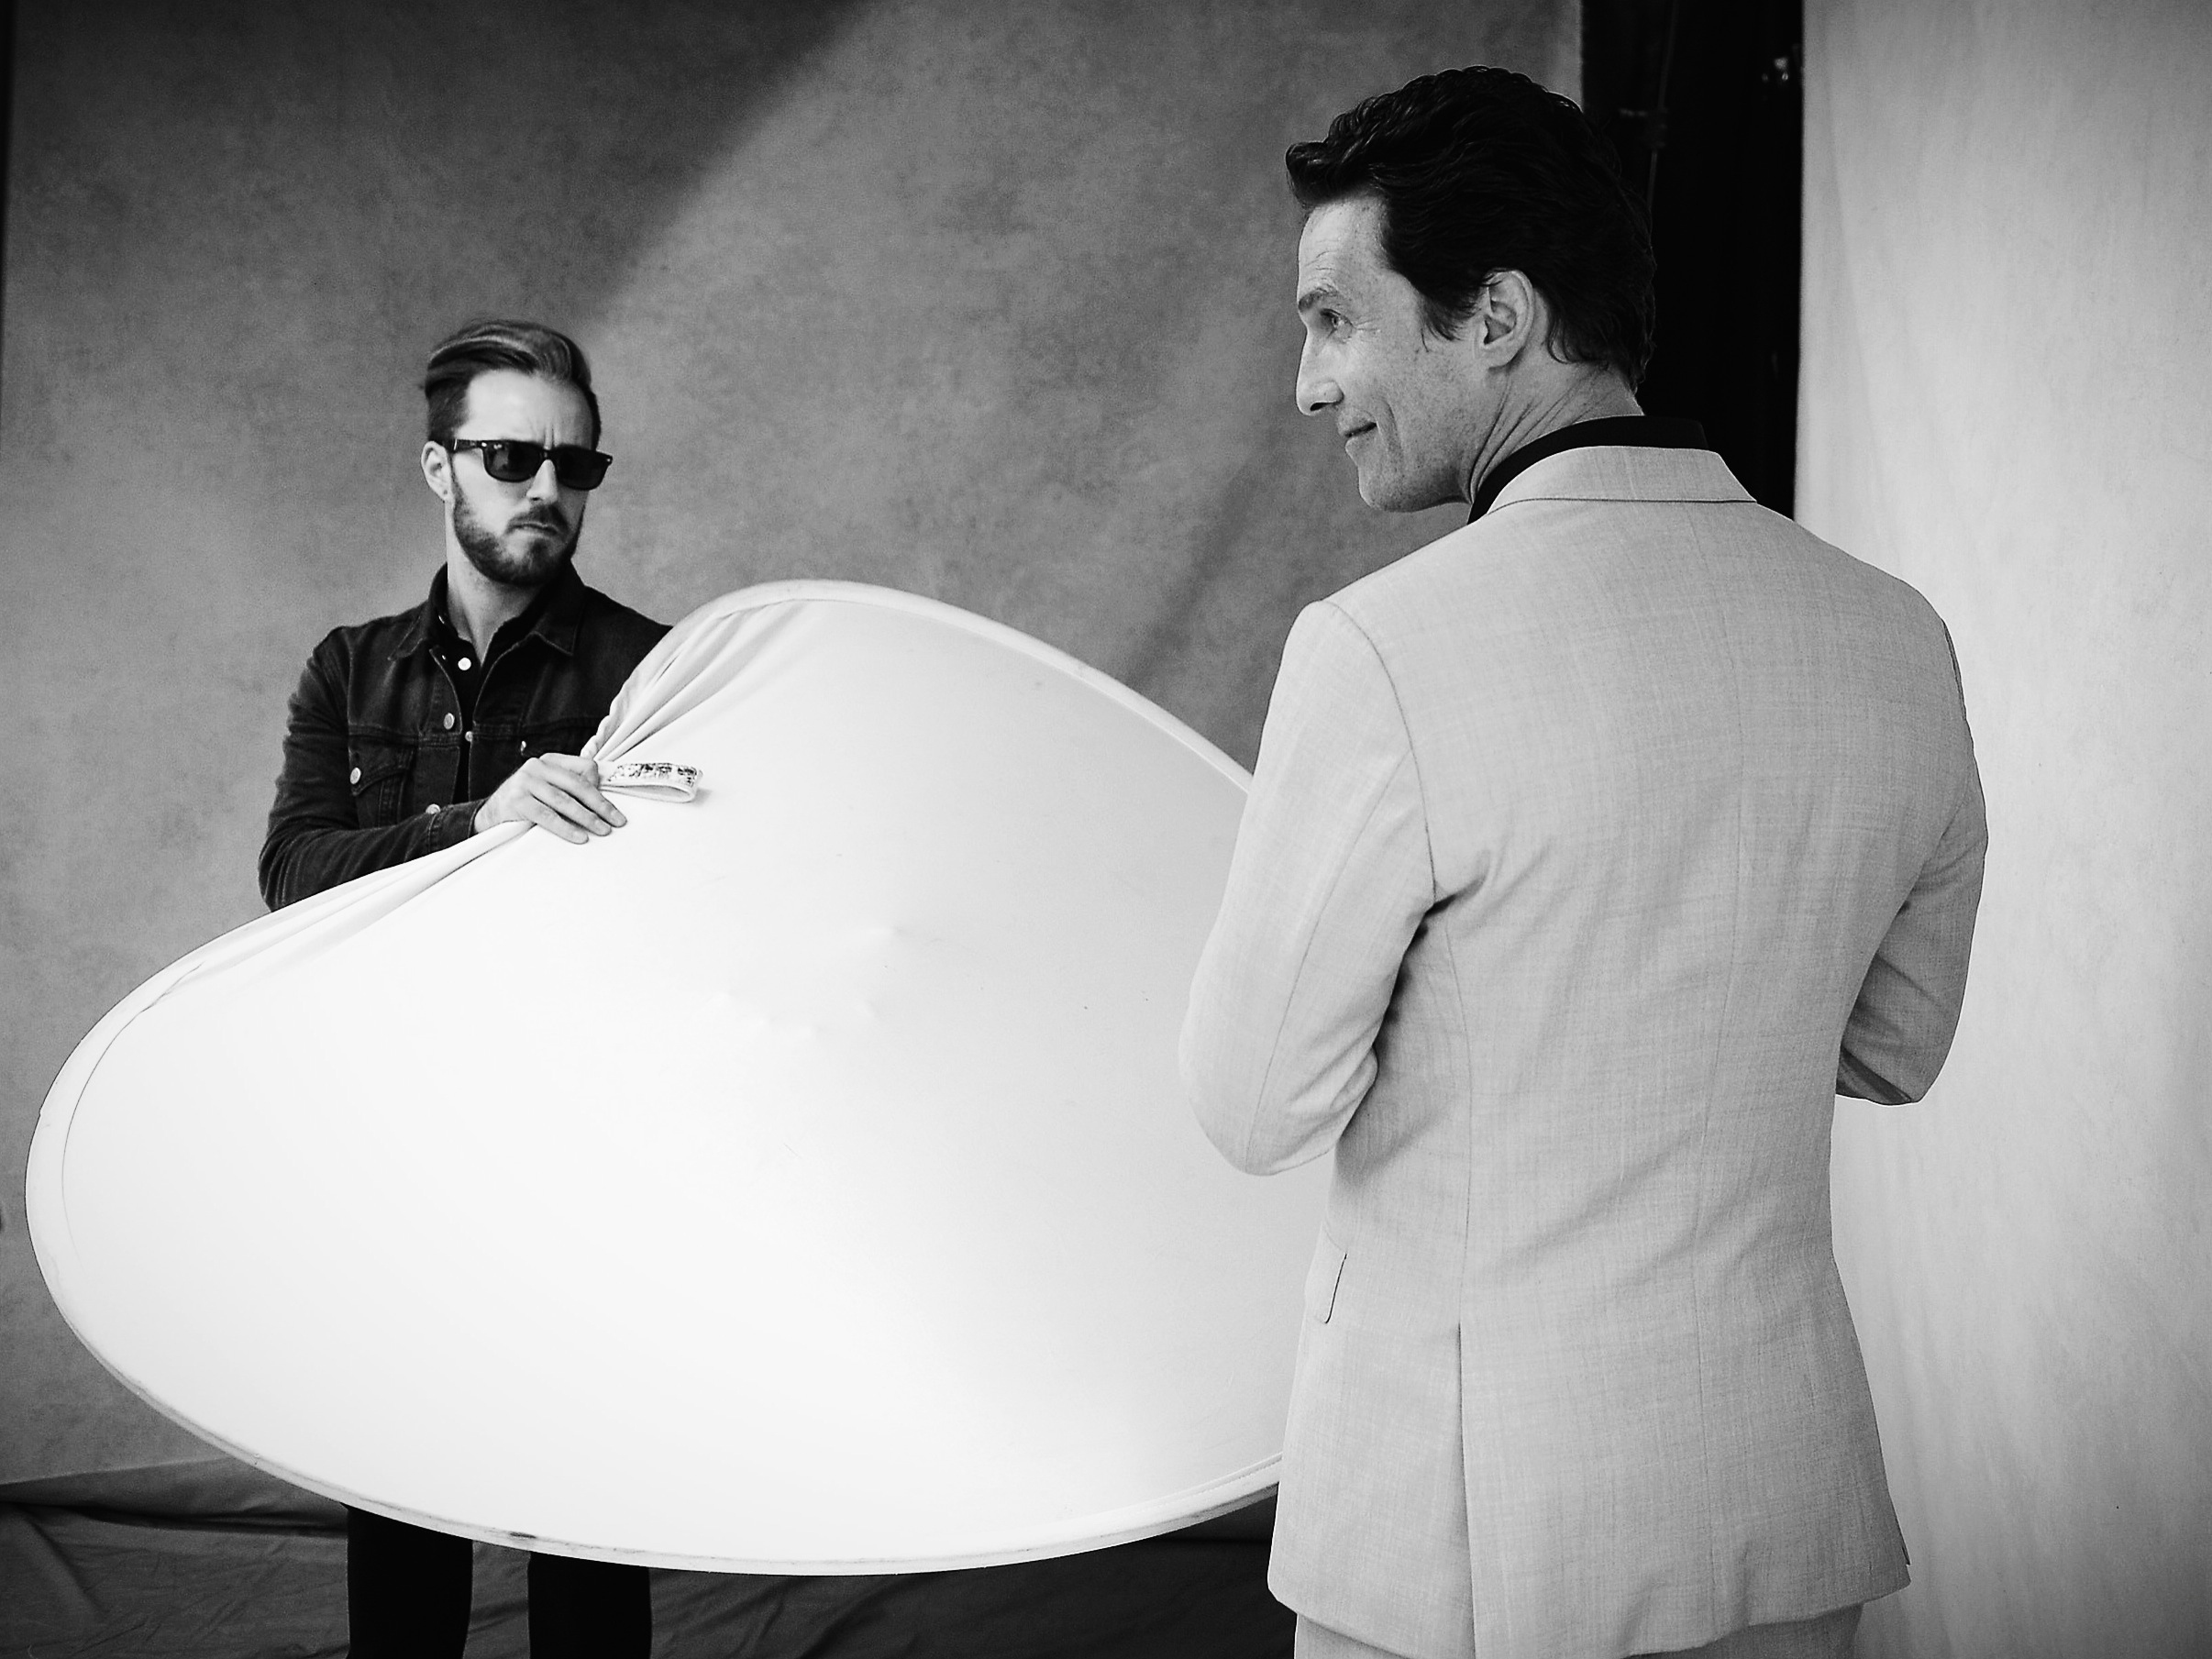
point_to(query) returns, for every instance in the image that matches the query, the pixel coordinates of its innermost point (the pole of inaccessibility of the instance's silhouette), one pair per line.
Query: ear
(1510, 315)
(437, 470)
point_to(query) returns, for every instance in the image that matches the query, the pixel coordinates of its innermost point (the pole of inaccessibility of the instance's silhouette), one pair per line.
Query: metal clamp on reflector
(658, 778)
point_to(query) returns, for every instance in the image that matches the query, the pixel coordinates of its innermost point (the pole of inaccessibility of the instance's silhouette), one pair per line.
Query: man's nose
(1316, 390)
(544, 486)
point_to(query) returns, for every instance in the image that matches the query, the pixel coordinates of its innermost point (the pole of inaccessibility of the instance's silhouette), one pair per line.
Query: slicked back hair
(490, 343)
(1479, 171)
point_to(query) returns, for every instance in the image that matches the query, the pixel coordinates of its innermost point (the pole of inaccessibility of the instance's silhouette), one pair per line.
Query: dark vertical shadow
(1704, 102)
(7, 126)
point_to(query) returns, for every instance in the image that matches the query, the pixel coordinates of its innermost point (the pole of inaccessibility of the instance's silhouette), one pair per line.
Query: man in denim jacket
(411, 732)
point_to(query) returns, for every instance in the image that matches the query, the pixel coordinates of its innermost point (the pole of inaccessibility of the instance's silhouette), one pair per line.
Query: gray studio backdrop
(985, 300)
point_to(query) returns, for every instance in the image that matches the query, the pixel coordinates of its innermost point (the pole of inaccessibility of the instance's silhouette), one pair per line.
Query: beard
(531, 565)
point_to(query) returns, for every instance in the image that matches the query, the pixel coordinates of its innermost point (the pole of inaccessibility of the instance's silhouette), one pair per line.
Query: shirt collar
(552, 615)
(1627, 431)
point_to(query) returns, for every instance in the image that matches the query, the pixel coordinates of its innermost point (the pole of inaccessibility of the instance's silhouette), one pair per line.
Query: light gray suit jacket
(1591, 851)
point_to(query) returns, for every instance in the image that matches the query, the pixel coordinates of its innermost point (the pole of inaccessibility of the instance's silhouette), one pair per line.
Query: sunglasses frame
(562, 456)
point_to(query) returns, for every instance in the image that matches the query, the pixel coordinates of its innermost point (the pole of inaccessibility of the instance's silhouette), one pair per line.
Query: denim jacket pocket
(1323, 1278)
(379, 777)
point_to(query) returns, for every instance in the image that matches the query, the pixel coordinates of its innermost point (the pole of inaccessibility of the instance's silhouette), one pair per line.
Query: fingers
(551, 811)
(556, 792)
(575, 766)
(575, 794)
(530, 811)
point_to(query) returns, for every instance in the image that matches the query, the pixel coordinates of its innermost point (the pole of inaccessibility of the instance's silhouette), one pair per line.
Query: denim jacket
(374, 742)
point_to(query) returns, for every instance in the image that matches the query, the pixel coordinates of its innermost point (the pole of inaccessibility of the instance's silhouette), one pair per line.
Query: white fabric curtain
(2008, 337)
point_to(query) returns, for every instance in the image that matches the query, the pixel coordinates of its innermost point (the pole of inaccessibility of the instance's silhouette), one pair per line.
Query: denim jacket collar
(559, 608)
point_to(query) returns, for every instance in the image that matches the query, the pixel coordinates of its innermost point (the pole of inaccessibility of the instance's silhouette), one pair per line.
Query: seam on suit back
(1705, 1462)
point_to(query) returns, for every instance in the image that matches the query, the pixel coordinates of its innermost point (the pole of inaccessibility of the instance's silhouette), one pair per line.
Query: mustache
(547, 518)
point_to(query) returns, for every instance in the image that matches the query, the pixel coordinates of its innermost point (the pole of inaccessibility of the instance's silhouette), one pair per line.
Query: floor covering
(217, 1561)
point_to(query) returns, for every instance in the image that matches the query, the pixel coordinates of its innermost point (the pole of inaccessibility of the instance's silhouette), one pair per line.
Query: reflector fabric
(796, 1180)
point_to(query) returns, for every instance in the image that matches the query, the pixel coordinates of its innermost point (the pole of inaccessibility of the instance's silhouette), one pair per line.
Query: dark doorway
(7, 118)
(1704, 101)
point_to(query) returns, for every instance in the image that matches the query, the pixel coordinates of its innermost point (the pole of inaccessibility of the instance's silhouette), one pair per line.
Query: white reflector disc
(796, 1180)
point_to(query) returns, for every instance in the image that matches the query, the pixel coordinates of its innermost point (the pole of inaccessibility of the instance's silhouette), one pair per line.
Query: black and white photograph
(1106, 829)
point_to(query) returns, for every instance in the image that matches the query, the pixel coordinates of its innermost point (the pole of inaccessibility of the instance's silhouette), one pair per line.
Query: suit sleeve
(1900, 1029)
(1330, 879)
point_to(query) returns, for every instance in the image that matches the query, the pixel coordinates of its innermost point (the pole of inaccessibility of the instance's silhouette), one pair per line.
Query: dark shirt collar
(553, 615)
(1626, 431)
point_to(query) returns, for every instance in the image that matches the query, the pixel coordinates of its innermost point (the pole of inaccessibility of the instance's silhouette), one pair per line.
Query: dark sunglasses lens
(513, 463)
(580, 469)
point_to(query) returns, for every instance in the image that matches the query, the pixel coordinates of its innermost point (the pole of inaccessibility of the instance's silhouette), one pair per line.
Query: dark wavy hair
(1480, 171)
(500, 343)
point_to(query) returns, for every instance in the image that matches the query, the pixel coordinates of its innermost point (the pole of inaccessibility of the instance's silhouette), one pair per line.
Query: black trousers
(407, 1597)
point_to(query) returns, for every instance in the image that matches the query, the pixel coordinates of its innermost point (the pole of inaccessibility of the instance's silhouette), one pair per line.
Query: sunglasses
(513, 461)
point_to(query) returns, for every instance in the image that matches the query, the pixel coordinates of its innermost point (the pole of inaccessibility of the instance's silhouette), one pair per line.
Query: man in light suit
(1591, 851)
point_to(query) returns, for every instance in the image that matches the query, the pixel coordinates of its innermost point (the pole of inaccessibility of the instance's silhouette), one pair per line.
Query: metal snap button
(357, 776)
(449, 722)
(432, 809)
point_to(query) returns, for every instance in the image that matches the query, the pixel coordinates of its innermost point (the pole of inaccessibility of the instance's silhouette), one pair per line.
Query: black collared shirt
(385, 762)
(468, 667)
(1625, 431)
